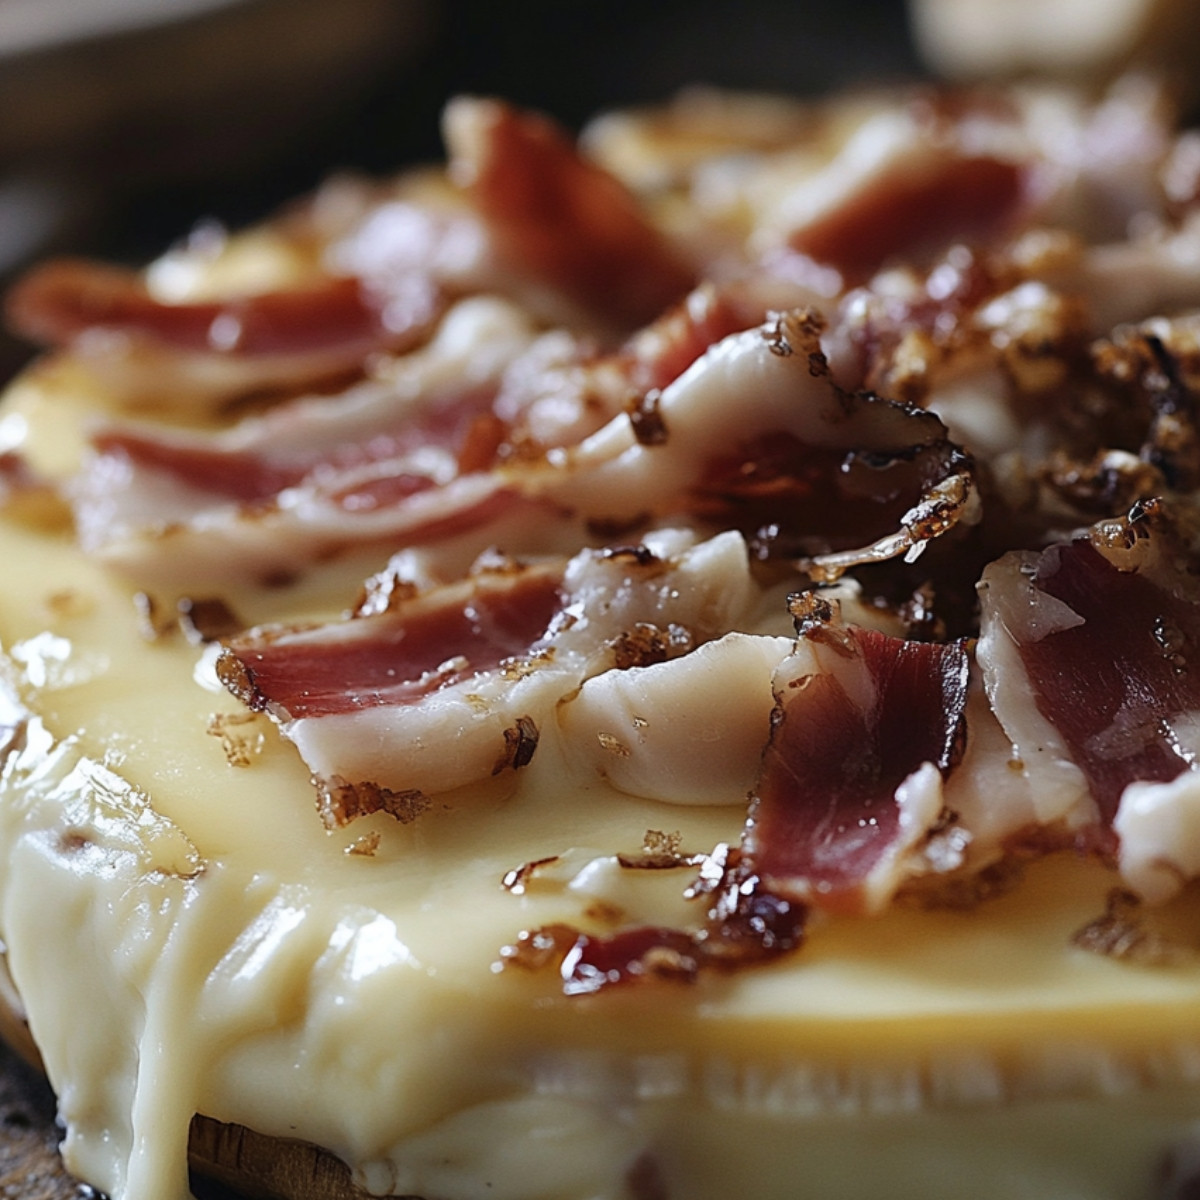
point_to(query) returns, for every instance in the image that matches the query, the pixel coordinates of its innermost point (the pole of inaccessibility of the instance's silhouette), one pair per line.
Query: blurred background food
(124, 122)
(1080, 40)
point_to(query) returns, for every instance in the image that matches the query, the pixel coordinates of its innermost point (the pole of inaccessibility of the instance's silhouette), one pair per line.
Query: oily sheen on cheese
(555, 700)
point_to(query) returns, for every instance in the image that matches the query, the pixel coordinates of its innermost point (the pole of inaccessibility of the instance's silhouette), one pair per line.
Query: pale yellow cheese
(189, 938)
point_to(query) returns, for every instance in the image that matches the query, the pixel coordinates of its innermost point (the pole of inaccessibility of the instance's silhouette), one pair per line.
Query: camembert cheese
(505, 926)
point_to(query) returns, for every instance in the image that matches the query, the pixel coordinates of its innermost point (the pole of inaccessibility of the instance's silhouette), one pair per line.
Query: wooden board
(30, 1167)
(29, 1162)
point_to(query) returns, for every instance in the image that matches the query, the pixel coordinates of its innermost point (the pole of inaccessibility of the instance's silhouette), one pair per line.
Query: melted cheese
(188, 938)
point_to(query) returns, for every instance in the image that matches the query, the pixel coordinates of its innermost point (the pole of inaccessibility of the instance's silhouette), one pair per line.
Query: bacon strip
(912, 179)
(397, 456)
(400, 658)
(799, 467)
(863, 726)
(912, 208)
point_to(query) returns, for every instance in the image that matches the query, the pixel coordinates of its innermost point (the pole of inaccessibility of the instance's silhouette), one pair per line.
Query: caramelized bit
(647, 421)
(366, 845)
(961, 893)
(646, 644)
(1127, 931)
(749, 923)
(660, 851)
(339, 802)
(638, 556)
(382, 592)
(520, 743)
(798, 332)
(745, 925)
(537, 948)
(207, 620)
(517, 880)
(239, 680)
(613, 744)
(813, 614)
(594, 963)
(240, 735)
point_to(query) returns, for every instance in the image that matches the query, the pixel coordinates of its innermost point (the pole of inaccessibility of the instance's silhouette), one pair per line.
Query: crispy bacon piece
(743, 925)
(864, 727)
(558, 219)
(235, 344)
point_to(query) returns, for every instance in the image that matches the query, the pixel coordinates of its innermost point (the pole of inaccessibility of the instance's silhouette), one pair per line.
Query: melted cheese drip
(188, 938)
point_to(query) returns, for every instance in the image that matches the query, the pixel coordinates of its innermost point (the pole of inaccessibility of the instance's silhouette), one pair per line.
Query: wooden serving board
(30, 1167)
(29, 1163)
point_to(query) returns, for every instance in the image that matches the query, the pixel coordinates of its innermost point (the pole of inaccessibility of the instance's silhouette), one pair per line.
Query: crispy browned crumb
(240, 734)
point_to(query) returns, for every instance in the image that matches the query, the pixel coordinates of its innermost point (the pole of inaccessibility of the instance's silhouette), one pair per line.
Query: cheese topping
(672, 668)
(252, 969)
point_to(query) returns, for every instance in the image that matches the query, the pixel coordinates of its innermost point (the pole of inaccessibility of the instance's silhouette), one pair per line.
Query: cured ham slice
(558, 220)
(404, 457)
(912, 179)
(197, 353)
(1086, 649)
(863, 729)
(395, 457)
(525, 215)
(798, 465)
(795, 463)
(452, 686)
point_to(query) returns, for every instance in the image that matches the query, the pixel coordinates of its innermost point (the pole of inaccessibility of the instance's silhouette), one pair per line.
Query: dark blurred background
(123, 122)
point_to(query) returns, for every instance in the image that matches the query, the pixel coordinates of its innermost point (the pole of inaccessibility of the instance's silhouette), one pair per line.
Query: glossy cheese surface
(188, 937)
